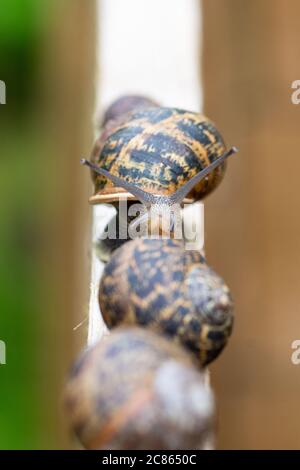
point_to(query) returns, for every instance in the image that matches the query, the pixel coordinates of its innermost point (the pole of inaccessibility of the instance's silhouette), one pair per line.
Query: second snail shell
(159, 285)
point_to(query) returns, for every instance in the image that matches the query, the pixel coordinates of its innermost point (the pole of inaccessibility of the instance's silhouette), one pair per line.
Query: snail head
(158, 206)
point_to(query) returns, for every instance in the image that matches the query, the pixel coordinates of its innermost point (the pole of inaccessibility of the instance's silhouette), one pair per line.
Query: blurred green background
(44, 128)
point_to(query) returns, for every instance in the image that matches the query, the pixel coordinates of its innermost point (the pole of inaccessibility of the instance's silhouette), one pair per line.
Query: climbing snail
(162, 157)
(160, 285)
(162, 204)
(118, 395)
(158, 149)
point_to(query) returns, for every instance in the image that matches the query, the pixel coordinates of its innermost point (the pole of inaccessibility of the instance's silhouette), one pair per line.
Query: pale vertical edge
(96, 329)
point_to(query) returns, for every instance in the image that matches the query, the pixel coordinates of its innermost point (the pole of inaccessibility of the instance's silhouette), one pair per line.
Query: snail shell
(118, 395)
(159, 285)
(126, 104)
(117, 114)
(158, 149)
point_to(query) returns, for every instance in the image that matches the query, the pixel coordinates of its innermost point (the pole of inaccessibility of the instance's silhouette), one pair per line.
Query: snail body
(161, 286)
(118, 395)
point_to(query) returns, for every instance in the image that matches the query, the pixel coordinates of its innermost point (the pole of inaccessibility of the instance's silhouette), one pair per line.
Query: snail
(150, 154)
(118, 395)
(161, 205)
(158, 149)
(160, 285)
(160, 214)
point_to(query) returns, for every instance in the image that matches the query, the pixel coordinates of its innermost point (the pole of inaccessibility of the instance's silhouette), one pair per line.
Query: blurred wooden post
(250, 59)
(67, 71)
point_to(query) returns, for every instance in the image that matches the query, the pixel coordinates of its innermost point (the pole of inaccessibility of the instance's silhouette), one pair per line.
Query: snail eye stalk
(147, 198)
(182, 192)
(144, 197)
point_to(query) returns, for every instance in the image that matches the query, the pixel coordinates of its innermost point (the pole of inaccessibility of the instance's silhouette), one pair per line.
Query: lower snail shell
(118, 395)
(159, 285)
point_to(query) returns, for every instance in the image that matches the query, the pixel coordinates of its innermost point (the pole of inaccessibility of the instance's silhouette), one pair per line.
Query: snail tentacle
(141, 195)
(182, 192)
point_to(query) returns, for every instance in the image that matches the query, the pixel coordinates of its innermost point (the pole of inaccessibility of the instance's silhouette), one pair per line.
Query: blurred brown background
(251, 56)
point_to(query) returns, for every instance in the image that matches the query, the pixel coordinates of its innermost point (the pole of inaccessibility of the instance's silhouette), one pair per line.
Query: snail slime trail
(114, 460)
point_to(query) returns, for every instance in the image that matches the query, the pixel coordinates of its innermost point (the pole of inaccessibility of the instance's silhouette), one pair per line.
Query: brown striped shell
(117, 114)
(157, 149)
(118, 395)
(159, 285)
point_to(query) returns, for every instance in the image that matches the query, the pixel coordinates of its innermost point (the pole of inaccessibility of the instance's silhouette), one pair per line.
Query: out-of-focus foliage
(22, 23)
(18, 48)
